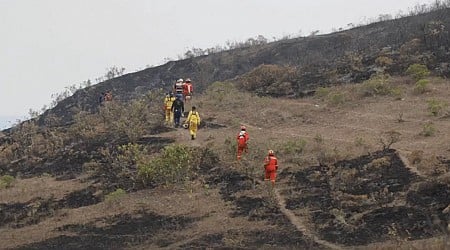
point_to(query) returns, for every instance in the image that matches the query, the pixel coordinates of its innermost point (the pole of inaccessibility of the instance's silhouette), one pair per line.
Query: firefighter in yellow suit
(168, 101)
(193, 120)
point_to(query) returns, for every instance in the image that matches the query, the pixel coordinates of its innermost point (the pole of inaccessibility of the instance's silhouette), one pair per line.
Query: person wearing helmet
(177, 110)
(187, 90)
(193, 120)
(168, 101)
(270, 167)
(242, 139)
(178, 86)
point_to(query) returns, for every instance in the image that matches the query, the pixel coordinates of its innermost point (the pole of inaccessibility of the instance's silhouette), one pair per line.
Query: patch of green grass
(6, 181)
(115, 195)
(428, 129)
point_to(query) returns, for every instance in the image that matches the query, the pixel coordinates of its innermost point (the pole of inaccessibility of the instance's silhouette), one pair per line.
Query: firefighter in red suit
(242, 139)
(271, 167)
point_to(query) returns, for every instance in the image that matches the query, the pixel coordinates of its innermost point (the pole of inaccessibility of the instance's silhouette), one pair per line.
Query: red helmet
(271, 152)
(243, 127)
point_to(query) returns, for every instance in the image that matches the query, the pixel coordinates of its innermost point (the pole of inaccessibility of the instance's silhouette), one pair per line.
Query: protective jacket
(193, 117)
(168, 101)
(271, 163)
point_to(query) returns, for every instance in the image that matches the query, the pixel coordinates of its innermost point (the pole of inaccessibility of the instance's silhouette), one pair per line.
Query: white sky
(47, 45)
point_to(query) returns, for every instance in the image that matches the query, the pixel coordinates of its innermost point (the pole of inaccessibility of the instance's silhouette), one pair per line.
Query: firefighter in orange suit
(187, 90)
(271, 167)
(242, 140)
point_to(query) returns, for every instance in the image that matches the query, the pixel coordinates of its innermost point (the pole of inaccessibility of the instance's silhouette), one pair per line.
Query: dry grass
(327, 131)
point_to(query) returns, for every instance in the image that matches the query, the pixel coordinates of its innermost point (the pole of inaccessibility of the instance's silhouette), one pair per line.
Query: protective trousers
(193, 129)
(169, 115)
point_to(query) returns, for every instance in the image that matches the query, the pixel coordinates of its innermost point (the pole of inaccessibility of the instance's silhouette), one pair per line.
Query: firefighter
(270, 167)
(193, 120)
(178, 87)
(168, 101)
(242, 140)
(187, 90)
(177, 110)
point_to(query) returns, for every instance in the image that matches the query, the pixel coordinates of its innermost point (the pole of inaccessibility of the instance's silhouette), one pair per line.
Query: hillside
(363, 165)
(341, 57)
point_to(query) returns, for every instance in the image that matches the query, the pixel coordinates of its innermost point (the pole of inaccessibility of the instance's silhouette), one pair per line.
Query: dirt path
(298, 222)
(409, 166)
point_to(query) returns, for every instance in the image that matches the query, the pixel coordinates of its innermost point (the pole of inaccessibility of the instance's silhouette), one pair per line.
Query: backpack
(242, 141)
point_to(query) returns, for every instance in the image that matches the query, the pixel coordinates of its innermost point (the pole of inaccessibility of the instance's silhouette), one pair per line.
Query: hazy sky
(47, 45)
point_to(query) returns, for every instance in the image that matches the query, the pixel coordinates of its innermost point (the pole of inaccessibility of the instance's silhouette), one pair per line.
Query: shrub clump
(6, 181)
(172, 166)
(417, 71)
(436, 106)
(421, 86)
(428, 129)
(378, 85)
(115, 195)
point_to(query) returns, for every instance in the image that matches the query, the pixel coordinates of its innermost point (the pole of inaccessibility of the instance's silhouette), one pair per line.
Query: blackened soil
(68, 161)
(271, 238)
(256, 208)
(23, 214)
(282, 233)
(369, 199)
(230, 182)
(121, 231)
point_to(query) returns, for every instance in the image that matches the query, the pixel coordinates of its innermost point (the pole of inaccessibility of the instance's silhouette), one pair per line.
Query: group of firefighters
(270, 161)
(174, 110)
(174, 107)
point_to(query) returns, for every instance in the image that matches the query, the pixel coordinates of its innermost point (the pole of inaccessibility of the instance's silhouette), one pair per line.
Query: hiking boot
(192, 137)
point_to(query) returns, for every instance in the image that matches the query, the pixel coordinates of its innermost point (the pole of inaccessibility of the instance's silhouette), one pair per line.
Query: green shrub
(6, 181)
(396, 92)
(421, 86)
(428, 129)
(417, 71)
(115, 195)
(174, 165)
(377, 85)
(337, 98)
(436, 106)
(322, 92)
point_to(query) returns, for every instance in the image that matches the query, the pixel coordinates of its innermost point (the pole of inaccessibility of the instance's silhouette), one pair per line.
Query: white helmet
(180, 80)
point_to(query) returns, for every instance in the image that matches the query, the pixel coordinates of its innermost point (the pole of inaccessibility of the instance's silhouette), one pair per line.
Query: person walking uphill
(242, 140)
(193, 120)
(271, 167)
(177, 110)
(168, 101)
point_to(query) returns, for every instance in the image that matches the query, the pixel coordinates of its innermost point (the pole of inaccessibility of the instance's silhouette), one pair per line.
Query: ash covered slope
(324, 59)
